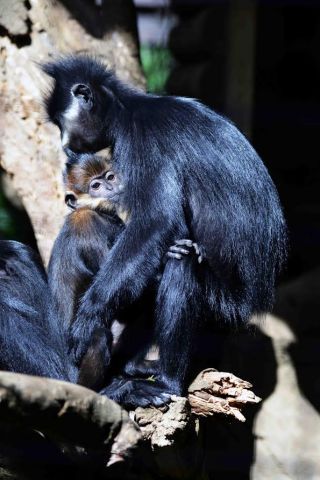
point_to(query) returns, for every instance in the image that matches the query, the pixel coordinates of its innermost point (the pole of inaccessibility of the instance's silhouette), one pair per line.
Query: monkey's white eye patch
(73, 111)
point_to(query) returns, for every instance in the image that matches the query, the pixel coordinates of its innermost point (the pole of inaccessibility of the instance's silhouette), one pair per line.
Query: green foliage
(156, 62)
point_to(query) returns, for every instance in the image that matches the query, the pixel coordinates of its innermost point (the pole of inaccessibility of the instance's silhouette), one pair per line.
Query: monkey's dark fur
(188, 172)
(30, 340)
(85, 238)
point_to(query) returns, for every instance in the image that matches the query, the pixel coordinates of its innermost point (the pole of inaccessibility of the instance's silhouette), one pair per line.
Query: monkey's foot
(142, 369)
(184, 247)
(136, 393)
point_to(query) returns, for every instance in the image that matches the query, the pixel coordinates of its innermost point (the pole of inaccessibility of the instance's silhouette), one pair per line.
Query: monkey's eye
(95, 185)
(110, 176)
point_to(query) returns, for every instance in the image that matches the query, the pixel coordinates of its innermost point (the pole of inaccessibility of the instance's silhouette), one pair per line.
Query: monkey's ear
(83, 93)
(71, 200)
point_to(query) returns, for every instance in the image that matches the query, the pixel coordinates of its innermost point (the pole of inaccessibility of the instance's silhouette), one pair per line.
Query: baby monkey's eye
(110, 176)
(95, 185)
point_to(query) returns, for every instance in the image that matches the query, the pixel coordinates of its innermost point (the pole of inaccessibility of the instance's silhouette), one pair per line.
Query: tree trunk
(32, 32)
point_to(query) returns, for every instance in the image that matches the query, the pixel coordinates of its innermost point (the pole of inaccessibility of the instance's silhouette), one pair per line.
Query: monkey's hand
(184, 247)
(83, 331)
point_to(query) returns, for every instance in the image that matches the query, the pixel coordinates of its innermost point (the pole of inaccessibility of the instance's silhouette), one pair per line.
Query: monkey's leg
(177, 322)
(93, 371)
(176, 330)
(132, 345)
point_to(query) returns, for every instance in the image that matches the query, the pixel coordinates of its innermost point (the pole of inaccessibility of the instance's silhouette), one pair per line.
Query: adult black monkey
(30, 341)
(188, 172)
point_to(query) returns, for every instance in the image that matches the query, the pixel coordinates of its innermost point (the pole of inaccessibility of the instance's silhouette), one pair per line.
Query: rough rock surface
(29, 146)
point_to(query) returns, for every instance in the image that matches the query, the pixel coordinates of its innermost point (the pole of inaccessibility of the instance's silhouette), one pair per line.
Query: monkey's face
(104, 186)
(107, 186)
(77, 113)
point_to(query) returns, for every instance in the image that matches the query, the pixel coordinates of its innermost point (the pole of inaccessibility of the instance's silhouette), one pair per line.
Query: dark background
(258, 62)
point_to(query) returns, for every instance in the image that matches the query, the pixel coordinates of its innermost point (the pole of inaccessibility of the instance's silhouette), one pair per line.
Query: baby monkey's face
(91, 180)
(106, 186)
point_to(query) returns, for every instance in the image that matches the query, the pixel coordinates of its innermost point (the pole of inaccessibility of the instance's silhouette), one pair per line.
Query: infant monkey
(87, 235)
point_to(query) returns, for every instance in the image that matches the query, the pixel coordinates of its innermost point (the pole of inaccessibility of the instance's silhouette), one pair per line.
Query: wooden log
(91, 430)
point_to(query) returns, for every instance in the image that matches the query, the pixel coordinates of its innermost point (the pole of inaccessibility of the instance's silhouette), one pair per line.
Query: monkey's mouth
(115, 198)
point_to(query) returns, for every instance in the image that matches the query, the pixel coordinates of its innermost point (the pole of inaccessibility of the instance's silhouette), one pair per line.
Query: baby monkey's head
(91, 182)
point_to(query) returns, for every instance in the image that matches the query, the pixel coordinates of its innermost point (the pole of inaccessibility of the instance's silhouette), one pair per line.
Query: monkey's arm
(132, 262)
